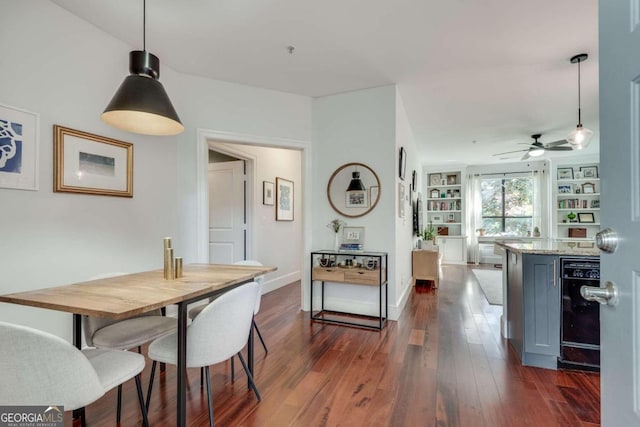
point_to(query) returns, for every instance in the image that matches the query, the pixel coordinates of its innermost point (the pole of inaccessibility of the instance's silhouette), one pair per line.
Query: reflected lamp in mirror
(362, 190)
(356, 196)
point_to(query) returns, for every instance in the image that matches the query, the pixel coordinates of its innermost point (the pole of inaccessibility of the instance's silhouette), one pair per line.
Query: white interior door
(226, 212)
(620, 208)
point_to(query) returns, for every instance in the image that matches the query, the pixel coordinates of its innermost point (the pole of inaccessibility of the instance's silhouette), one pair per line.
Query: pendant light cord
(579, 115)
(144, 29)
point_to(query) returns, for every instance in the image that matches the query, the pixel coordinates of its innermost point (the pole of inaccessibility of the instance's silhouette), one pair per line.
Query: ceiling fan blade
(526, 156)
(556, 143)
(509, 152)
(559, 148)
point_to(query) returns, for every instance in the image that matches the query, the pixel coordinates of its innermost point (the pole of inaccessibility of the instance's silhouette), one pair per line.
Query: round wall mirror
(353, 190)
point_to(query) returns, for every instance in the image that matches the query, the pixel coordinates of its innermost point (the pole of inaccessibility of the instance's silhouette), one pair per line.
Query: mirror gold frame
(338, 183)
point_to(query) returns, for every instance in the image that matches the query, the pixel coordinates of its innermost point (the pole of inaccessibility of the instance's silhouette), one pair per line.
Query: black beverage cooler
(580, 335)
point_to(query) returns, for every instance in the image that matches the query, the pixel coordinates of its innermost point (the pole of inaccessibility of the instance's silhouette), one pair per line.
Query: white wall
(267, 233)
(66, 70)
(359, 127)
(404, 238)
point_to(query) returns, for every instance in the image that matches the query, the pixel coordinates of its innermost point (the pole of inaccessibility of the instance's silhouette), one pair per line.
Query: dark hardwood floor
(443, 363)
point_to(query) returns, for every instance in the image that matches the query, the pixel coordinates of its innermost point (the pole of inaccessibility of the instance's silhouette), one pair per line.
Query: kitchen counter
(551, 247)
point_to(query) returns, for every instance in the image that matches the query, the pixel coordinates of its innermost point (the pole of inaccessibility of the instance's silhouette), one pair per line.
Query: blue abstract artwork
(10, 146)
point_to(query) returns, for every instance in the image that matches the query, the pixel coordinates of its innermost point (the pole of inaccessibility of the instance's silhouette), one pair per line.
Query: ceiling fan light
(580, 137)
(536, 152)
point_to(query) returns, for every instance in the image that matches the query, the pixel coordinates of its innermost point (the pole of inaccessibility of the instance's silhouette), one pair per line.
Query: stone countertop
(551, 247)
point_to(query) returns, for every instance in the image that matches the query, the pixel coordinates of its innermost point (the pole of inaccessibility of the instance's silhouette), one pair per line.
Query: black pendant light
(580, 137)
(141, 104)
(356, 184)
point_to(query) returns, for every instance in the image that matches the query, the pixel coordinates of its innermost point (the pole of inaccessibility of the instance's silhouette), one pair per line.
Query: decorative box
(577, 232)
(443, 231)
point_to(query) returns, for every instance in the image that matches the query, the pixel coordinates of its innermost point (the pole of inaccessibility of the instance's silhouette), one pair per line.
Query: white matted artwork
(284, 199)
(18, 148)
(353, 235)
(91, 164)
(357, 199)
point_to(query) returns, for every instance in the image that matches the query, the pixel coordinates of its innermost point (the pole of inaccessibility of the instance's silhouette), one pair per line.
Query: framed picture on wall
(267, 193)
(284, 199)
(18, 148)
(402, 163)
(91, 164)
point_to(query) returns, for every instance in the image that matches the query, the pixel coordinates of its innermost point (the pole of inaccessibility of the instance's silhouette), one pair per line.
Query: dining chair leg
(209, 402)
(251, 382)
(152, 376)
(255, 325)
(83, 417)
(143, 409)
(233, 370)
(201, 376)
(119, 405)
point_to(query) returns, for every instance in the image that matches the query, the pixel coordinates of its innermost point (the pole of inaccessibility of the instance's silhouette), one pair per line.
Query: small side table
(425, 264)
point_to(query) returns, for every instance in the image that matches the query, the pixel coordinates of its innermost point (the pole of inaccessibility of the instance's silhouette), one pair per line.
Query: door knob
(605, 296)
(607, 240)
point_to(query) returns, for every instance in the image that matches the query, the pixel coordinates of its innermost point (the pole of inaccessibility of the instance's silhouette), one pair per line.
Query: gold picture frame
(91, 164)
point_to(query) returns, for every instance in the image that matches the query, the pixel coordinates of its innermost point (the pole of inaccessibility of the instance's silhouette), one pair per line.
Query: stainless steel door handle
(605, 296)
(607, 240)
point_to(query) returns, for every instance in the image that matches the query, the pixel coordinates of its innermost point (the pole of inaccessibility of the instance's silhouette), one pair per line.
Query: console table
(352, 268)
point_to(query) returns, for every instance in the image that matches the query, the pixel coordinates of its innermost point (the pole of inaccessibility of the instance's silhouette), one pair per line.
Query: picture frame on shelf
(402, 166)
(437, 219)
(565, 173)
(91, 164)
(267, 193)
(586, 217)
(589, 171)
(452, 179)
(565, 189)
(434, 179)
(284, 199)
(353, 235)
(19, 154)
(434, 193)
(451, 217)
(588, 188)
(595, 204)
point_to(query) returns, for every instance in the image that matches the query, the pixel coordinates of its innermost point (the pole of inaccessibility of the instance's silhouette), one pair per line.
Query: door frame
(206, 139)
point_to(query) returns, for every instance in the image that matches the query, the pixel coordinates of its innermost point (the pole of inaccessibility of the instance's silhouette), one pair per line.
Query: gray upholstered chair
(127, 333)
(218, 333)
(39, 368)
(260, 280)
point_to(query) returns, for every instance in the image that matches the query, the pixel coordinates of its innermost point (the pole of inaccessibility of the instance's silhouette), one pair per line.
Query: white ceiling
(489, 71)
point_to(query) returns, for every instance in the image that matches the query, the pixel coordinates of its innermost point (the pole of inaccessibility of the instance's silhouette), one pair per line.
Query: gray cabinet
(534, 308)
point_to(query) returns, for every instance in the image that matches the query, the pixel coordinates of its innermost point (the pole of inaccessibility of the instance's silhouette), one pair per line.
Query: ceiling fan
(537, 148)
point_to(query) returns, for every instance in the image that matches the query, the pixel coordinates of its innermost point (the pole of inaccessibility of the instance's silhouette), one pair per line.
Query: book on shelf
(351, 247)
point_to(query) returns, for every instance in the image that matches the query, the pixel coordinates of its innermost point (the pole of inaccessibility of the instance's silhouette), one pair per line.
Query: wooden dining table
(124, 296)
